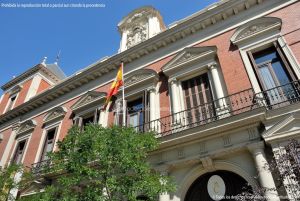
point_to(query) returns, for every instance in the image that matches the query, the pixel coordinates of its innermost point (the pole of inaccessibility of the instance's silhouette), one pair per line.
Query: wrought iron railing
(224, 107)
(215, 110)
(40, 167)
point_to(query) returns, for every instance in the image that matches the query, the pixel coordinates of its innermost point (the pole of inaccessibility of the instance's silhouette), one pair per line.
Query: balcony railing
(225, 107)
(228, 106)
(40, 167)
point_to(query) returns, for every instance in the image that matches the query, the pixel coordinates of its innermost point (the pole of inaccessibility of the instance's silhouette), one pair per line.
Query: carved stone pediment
(284, 129)
(190, 55)
(55, 115)
(26, 127)
(255, 28)
(90, 98)
(141, 76)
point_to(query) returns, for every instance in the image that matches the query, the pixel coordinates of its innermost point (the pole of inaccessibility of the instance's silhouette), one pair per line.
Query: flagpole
(123, 96)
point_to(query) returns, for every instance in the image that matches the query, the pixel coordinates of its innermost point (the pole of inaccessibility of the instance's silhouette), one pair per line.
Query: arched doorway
(218, 185)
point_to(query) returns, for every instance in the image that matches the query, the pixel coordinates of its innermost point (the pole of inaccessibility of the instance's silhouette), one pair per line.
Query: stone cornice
(31, 71)
(200, 21)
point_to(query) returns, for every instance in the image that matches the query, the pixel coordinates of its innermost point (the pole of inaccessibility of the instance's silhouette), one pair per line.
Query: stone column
(153, 106)
(217, 85)
(154, 125)
(265, 176)
(175, 95)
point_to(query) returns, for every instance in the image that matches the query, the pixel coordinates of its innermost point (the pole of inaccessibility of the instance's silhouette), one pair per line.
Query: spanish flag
(115, 85)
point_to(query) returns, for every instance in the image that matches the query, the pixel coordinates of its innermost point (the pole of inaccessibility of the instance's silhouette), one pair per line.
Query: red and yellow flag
(115, 85)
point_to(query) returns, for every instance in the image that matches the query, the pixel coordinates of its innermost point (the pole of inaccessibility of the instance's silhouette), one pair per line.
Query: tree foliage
(105, 164)
(7, 181)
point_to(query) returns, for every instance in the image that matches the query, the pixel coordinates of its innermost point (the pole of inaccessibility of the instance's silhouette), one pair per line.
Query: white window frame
(26, 137)
(261, 40)
(43, 138)
(9, 102)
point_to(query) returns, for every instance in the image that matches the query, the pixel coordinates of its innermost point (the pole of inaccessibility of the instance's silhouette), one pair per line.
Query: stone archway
(217, 185)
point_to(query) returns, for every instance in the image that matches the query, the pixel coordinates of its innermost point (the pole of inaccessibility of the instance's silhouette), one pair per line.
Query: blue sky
(84, 35)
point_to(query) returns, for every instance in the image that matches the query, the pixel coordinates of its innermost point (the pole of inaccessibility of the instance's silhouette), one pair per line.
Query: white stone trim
(1, 98)
(258, 44)
(218, 165)
(8, 148)
(290, 56)
(33, 87)
(43, 137)
(26, 137)
(9, 100)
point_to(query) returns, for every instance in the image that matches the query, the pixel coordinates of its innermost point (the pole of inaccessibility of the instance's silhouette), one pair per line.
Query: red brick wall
(5, 134)
(35, 140)
(43, 86)
(23, 93)
(4, 103)
(290, 30)
(20, 98)
(231, 63)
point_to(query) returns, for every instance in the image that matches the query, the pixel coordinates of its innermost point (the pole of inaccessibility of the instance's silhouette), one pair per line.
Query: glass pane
(133, 120)
(265, 55)
(281, 74)
(267, 78)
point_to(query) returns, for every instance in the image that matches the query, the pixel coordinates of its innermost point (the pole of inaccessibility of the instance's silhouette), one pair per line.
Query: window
(85, 119)
(274, 73)
(11, 102)
(198, 98)
(49, 143)
(137, 112)
(17, 159)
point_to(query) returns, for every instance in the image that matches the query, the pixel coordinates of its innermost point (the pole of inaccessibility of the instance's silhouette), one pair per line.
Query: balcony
(226, 107)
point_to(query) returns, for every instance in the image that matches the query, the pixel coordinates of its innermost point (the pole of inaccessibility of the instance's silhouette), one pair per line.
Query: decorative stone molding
(180, 153)
(197, 171)
(255, 28)
(202, 148)
(91, 98)
(140, 25)
(143, 76)
(285, 129)
(15, 90)
(227, 141)
(253, 133)
(55, 115)
(189, 56)
(26, 127)
(207, 163)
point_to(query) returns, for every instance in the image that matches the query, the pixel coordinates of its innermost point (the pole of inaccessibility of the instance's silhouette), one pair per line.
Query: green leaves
(105, 164)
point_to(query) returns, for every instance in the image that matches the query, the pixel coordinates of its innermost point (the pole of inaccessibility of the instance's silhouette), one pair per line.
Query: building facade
(220, 88)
